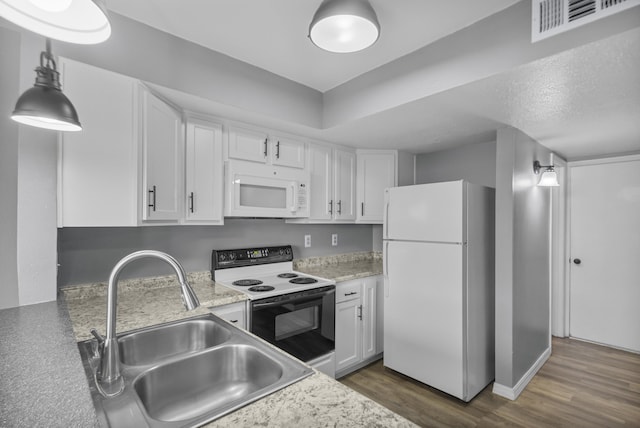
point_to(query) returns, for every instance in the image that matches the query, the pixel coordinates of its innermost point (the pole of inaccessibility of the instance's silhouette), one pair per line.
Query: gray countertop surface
(42, 382)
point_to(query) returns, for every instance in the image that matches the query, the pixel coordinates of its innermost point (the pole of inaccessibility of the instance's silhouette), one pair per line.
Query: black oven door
(302, 324)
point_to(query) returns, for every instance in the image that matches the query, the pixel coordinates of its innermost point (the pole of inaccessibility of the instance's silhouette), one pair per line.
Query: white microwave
(265, 191)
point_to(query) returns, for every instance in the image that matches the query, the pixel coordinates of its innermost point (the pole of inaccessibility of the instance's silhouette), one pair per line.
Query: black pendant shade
(44, 105)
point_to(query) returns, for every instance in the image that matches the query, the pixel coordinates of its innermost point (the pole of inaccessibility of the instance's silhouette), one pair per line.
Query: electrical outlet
(334, 239)
(307, 241)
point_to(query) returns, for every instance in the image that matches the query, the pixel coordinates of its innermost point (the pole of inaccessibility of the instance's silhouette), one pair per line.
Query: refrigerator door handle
(385, 269)
(386, 220)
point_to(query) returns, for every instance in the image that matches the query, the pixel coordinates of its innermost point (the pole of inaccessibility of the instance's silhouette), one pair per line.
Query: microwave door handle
(294, 197)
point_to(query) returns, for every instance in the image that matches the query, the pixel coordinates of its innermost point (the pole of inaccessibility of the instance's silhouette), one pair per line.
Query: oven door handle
(295, 304)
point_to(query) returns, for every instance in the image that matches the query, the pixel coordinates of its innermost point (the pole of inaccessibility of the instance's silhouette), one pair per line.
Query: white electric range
(292, 310)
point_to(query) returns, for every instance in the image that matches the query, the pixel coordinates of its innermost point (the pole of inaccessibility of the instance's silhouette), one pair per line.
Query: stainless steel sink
(215, 370)
(158, 343)
(190, 387)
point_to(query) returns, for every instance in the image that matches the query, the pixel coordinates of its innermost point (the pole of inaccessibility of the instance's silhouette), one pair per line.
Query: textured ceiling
(581, 101)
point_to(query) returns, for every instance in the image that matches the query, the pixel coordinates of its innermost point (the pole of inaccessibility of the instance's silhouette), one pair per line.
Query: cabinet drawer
(348, 291)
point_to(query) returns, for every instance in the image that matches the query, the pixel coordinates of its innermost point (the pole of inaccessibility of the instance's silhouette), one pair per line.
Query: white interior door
(605, 253)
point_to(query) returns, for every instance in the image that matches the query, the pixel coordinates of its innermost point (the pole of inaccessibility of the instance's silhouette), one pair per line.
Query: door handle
(152, 192)
(577, 261)
(278, 150)
(360, 312)
(265, 147)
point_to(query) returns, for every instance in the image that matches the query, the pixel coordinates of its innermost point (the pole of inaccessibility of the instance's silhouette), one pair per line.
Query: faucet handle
(98, 336)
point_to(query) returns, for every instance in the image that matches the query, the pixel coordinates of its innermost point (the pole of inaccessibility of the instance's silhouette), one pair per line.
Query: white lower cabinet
(358, 329)
(235, 313)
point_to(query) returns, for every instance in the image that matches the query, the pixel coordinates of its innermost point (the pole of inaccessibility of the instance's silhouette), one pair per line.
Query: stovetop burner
(303, 280)
(247, 282)
(287, 275)
(262, 288)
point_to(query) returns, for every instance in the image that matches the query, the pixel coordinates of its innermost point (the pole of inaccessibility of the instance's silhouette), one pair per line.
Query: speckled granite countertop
(342, 267)
(142, 303)
(48, 388)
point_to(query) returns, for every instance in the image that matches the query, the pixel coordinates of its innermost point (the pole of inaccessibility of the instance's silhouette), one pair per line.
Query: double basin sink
(187, 373)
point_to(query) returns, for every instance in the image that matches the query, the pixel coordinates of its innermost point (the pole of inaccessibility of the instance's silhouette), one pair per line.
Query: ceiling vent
(551, 17)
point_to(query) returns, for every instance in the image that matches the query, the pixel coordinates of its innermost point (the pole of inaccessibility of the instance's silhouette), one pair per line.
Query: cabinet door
(376, 172)
(286, 152)
(248, 145)
(321, 183)
(235, 313)
(162, 147)
(98, 167)
(368, 313)
(348, 334)
(204, 172)
(344, 185)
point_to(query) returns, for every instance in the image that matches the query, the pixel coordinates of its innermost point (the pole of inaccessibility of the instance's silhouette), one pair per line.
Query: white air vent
(551, 17)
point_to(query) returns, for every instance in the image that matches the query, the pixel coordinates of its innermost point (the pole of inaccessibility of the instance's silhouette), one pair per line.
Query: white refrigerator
(439, 285)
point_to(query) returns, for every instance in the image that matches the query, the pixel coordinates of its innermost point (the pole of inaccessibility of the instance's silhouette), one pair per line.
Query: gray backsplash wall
(88, 254)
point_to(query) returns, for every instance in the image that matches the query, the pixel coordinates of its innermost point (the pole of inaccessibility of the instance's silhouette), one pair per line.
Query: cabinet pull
(362, 208)
(278, 150)
(152, 192)
(233, 321)
(191, 202)
(340, 207)
(360, 312)
(351, 293)
(331, 206)
(265, 147)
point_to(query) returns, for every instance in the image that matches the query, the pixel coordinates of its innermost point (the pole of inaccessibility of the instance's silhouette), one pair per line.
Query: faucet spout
(110, 359)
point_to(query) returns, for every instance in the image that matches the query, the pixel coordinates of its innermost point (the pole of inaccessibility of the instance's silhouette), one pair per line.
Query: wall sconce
(548, 177)
(344, 26)
(44, 105)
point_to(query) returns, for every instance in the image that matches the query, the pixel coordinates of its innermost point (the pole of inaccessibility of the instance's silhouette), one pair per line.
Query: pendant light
(549, 178)
(344, 26)
(44, 105)
(75, 21)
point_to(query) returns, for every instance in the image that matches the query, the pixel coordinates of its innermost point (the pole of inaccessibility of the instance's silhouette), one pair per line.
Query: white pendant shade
(344, 26)
(549, 179)
(80, 21)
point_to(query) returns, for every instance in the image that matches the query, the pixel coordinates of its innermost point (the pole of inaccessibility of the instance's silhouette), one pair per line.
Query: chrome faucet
(109, 376)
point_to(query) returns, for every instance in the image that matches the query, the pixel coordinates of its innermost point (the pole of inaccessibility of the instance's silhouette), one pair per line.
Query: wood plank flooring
(581, 385)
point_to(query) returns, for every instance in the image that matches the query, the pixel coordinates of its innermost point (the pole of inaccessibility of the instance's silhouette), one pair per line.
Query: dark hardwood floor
(581, 385)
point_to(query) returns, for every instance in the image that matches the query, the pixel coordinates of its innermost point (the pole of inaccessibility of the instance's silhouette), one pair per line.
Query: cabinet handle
(153, 193)
(360, 312)
(331, 206)
(362, 208)
(191, 202)
(233, 321)
(340, 207)
(351, 293)
(265, 147)
(278, 150)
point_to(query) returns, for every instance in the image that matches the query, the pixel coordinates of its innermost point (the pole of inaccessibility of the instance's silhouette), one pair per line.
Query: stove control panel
(239, 257)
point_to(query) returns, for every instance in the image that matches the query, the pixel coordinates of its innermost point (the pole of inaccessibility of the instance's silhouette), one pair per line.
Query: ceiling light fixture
(44, 105)
(549, 178)
(344, 26)
(75, 21)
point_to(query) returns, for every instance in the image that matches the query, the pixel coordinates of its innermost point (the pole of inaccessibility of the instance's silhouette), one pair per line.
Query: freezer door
(425, 212)
(423, 313)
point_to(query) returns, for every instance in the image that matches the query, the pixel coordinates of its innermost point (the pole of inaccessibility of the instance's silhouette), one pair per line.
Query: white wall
(10, 72)
(522, 262)
(475, 163)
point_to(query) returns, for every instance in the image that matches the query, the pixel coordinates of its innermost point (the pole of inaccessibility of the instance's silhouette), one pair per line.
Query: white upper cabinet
(332, 194)
(163, 157)
(98, 167)
(344, 207)
(287, 152)
(204, 173)
(257, 146)
(376, 172)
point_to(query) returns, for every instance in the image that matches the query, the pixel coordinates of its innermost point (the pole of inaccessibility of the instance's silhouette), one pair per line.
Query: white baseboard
(513, 393)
